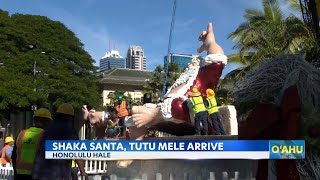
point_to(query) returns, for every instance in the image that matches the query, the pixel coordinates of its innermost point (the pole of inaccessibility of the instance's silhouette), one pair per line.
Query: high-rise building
(112, 60)
(136, 58)
(181, 59)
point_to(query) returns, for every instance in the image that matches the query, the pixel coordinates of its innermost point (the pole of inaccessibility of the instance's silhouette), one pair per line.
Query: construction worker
(27, 144)
(122, 109)
(112, 129)
(60, 129)
(199, 110)
(147, 98)
(6, 151)
(213, 112)
(74, 171)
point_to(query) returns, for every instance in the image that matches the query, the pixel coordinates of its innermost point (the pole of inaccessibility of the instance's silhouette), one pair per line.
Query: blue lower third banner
(177, 149)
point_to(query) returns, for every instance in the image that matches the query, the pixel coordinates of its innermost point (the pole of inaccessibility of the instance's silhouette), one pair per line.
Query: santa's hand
(184, 98)
(203, 36)
(206, 37)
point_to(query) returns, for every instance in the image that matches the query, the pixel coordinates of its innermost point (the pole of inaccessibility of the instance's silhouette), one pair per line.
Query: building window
(137, 99)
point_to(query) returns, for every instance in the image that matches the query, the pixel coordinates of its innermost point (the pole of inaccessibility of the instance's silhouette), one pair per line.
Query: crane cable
(169, 48)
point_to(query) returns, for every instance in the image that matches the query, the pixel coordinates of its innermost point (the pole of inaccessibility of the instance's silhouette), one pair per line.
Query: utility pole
(34, 107)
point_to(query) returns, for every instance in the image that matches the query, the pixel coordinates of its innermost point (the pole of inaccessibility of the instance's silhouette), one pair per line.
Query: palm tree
(155, 84)
(294, 5)
(268, 33)
(113, 96)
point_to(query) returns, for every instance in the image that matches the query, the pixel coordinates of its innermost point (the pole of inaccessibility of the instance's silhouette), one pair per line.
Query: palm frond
(267, 34)
(239, 31)
(294, 5)
(231, 77)
(272, 10)
(253, 15)
(239, 58)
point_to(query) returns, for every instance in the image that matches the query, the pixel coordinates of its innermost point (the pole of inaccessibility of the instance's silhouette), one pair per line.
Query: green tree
(223, 97)
(64, 70)
(113, 97)
(295, 5)
(266, 34)
(155, 85)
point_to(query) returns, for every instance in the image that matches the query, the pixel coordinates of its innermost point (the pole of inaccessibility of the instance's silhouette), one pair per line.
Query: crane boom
(169, 48)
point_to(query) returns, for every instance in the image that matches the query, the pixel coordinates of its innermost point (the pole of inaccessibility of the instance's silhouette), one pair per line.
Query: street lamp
(300, 50)
(34, 106)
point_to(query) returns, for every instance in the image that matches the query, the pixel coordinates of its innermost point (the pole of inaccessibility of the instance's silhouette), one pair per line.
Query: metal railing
(211, 176)
(95, 166)
(6, 172)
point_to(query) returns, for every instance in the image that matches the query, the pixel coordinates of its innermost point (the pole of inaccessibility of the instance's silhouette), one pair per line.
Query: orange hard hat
(194, 92)
(210, 92)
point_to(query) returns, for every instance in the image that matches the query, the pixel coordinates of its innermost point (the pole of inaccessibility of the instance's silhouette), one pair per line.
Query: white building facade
(136, 58)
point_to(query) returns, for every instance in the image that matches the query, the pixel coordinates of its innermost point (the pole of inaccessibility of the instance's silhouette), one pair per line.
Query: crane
(310, 10)
(169, 49)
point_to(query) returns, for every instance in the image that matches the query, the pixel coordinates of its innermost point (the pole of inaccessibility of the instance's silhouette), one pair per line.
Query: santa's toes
(137, 109)
(137, 120)
(124, 164)
(135, 116)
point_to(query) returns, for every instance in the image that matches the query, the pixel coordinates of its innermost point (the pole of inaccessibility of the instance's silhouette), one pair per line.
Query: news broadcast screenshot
(160, 90)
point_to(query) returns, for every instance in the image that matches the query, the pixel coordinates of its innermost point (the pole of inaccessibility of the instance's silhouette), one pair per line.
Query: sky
(141, 22)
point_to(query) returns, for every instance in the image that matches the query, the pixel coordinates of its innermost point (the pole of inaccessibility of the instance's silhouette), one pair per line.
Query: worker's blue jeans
(203, 118)
(112, 132)
(123, 128)
(216, 123)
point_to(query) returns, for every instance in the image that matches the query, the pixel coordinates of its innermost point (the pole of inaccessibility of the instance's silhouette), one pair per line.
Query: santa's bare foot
(135, 134)
(124, 164)
(143, 116)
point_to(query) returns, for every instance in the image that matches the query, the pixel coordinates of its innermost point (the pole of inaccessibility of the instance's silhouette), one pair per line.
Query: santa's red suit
(203, 76)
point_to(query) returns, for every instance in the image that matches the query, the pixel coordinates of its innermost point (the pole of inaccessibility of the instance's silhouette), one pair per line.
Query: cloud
(153, 23)
(183, 48)
(153, 61)
(256, 4)
(95, 39)
(163, 25)
(181, 26)
(90, 2)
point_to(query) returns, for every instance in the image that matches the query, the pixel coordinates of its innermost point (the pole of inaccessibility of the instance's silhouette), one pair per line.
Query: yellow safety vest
(73, 164)
(197, 104)
(27, 146)
(212, 107)
(110, 127)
